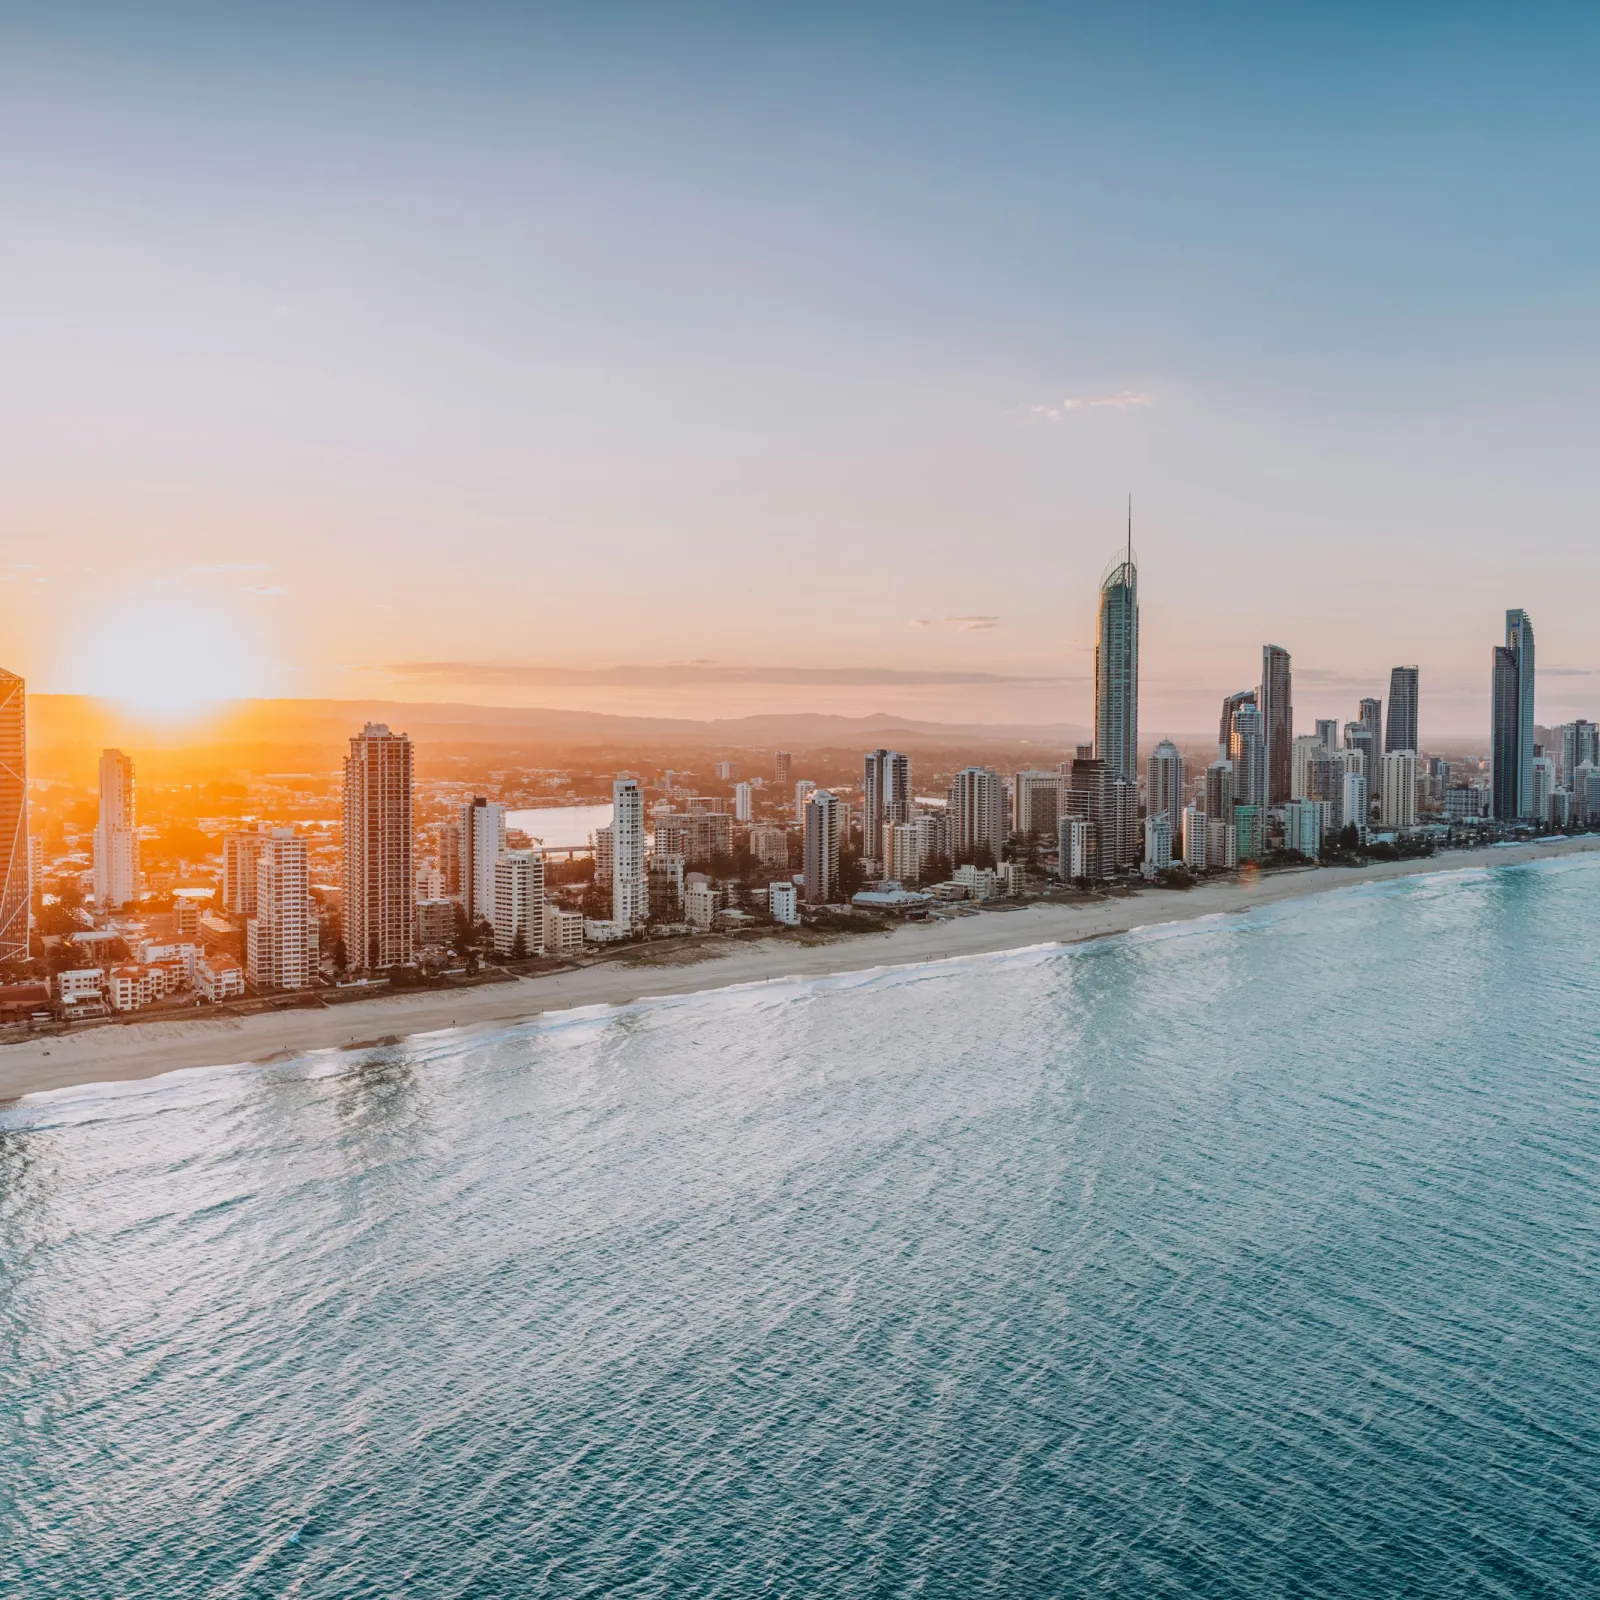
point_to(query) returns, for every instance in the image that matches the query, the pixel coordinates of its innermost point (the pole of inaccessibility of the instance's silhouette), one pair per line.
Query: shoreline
(121, 1054)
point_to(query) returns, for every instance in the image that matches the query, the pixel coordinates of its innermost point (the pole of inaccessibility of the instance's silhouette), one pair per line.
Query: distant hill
(67, 732)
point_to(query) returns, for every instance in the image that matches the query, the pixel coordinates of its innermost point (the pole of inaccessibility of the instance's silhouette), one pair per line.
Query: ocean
(1250, 1256)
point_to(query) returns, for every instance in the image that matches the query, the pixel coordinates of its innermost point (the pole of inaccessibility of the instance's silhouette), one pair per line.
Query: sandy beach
(119, 1052)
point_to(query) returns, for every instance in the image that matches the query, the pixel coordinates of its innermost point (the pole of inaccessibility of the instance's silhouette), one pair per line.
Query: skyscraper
(1219, 791)
(1247, 750)
(116, 839)
(1328, 733)
(240, 853)
(630, 883)
(1402, 731)
(1397, 791)
(1164, 786)
(780, 767)
(1245, 697)
(1371, 717)
(379, 877)
(1576, 743)
(1092, 796)
(281, 943)
(16, 906)
(886, 791)
(1519, 641)
(1116, 667)
(977, 815)
(821, 853)
(1277, 724)
(1505, 701)
(482, 834)
(1036, 802)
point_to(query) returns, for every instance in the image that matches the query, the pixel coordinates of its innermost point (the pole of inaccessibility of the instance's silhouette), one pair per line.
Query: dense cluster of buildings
(765, 849)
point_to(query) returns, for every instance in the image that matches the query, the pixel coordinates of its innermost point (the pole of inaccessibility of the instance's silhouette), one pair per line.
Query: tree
(519, 946)
(1350, 837)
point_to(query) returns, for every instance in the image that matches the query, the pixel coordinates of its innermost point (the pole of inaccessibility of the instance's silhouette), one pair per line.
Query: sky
(701, 361)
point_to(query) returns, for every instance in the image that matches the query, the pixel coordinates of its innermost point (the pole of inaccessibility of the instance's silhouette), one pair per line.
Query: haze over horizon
(706, 365)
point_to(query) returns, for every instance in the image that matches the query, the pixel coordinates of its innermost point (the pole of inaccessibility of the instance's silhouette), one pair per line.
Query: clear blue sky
(422, 336)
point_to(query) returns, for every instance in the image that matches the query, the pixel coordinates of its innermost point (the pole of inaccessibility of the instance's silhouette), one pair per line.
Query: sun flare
(168, 661)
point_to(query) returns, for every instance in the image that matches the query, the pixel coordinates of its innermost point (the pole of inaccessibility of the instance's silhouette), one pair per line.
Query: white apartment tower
(482, 830)
(519, 902)
(379, 879)
(630, 886)
(1164, 786)
(116, 839)
(1397, 794)
(282, 948)
(16, 857)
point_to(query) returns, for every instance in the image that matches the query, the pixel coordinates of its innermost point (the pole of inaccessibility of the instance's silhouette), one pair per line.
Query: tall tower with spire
(1116, 665)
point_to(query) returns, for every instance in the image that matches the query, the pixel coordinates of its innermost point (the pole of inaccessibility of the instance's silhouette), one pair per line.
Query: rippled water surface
(1248, 1257)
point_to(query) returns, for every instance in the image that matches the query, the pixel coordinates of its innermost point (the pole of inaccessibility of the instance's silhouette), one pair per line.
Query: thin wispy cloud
(978, 624)
(1122, 400)
(265, 588)
(685, 673)
(233, 566)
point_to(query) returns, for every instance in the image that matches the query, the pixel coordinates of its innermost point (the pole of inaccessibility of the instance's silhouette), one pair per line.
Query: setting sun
(167, 660)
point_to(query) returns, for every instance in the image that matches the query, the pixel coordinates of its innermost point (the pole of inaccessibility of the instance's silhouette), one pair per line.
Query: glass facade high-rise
(1277, 724)
(1371, 717)
(1247, 750)
(16, 887)
(1116, 670)
(1504, 744)
(1519, 641)
(1402, 728)
(1245, 697)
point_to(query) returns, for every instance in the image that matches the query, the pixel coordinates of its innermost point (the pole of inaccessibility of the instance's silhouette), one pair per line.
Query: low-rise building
(436, 924)
(783, 900)
(982, 883)
(80, 983)
(895, 900)
(701, 901)
(770, 848)
(563, 931)
(217, 976)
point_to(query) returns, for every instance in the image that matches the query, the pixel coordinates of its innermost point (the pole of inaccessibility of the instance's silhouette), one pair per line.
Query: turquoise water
(1255, 1256)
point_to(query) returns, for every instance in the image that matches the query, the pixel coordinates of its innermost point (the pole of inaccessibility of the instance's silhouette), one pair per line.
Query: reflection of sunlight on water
(1024, 1230)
